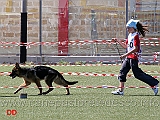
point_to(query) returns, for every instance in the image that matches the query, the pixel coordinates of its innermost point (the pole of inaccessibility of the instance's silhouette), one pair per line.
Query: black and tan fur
(38, 73)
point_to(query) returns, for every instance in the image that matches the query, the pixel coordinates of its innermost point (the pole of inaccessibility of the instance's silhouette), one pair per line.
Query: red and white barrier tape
(52, 65)
(144, 42)
(81, 74)
(103, 86)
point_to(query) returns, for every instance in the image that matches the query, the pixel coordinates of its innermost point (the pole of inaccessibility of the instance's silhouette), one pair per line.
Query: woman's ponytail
(141, 29)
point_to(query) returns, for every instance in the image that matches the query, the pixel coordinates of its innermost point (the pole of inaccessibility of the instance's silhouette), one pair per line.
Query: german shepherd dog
(38, 73)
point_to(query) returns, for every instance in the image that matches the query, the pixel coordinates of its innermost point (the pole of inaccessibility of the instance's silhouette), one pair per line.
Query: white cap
(132, 23)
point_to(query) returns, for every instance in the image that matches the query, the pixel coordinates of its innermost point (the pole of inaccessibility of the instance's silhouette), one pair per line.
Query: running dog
(38, 73)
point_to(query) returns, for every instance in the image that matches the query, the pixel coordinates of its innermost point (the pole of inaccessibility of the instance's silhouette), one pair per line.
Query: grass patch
(83, 103)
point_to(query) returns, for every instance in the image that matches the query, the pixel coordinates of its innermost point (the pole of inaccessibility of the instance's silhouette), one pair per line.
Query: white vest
(130, 45)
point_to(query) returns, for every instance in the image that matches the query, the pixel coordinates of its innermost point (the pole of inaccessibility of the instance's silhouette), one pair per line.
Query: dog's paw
(67, 93)
(15, 92)
(40, 94)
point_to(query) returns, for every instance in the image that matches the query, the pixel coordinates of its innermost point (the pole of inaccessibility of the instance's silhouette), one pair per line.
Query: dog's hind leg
(67, 90)
(25, 84)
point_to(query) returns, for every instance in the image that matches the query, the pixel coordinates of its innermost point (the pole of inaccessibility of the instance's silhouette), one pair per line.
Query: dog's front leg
(25, 84)
(39, 86)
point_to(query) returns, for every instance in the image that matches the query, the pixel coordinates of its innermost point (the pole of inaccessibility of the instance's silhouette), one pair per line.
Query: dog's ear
(17, 65)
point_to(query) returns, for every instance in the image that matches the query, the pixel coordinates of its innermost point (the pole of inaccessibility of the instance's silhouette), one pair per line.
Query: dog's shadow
(3, 95)
(51, 95)
(6, 95)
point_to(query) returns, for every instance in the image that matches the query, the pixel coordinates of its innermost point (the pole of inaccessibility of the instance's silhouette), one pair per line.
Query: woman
(132, 45)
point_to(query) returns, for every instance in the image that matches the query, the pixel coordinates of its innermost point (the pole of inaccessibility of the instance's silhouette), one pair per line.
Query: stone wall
(10, 22)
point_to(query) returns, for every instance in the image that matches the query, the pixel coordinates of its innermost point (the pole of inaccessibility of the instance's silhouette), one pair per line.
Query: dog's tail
(72, 83)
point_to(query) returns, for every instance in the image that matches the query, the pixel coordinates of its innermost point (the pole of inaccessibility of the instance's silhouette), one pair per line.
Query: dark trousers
(138, 73)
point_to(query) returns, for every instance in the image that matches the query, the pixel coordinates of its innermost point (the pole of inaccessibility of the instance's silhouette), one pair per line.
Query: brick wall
(109, 16)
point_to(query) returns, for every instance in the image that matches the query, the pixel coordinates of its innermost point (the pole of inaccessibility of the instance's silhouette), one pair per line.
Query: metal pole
(23, 51)
(155, 15)
(40, 27)
(126, 16)
(94, 35)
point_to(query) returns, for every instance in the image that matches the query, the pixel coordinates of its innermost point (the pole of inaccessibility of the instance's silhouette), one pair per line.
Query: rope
(103, 86)
(80, 74)
(144, 42)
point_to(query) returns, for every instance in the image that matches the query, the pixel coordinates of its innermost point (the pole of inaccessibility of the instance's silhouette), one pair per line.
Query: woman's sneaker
(117, 92)
(155, 89)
